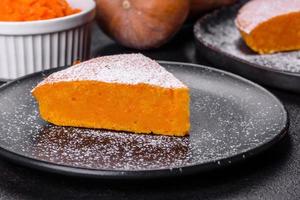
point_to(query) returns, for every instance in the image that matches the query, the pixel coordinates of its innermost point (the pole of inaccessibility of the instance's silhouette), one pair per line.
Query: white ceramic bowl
(27, 47)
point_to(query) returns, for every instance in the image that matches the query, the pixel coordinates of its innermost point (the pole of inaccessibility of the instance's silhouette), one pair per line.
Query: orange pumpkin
(141, 24)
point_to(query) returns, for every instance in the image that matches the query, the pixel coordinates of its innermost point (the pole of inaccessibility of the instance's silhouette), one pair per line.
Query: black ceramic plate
(220, 42)
(231, 119)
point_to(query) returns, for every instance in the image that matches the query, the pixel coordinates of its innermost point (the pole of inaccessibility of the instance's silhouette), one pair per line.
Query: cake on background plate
(128, 92)
(269, 26)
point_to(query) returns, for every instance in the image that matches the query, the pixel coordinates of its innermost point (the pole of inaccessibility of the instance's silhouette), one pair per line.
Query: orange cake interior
(269, 26)
(128, 92)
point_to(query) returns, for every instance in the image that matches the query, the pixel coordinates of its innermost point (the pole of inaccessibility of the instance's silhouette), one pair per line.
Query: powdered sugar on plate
(218, 31)
(229, 117)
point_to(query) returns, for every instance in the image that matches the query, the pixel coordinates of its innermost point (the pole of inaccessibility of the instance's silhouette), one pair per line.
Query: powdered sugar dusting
(228, 117)
(258, 11)
(125, 69)
(219, 31)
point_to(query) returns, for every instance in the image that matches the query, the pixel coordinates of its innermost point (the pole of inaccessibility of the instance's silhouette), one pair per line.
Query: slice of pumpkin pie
(128, 92)
(270, 26)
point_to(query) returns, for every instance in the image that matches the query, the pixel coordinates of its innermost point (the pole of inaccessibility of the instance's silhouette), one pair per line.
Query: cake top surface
(124, 69)
(256, 12)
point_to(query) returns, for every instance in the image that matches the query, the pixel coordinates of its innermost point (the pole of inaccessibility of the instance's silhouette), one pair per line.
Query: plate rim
(205, 18)
(148, 173)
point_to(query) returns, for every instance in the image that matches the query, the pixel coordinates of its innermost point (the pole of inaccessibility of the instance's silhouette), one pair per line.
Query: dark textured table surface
(274, 174)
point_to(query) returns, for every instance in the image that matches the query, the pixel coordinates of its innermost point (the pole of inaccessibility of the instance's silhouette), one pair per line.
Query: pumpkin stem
(126, 4)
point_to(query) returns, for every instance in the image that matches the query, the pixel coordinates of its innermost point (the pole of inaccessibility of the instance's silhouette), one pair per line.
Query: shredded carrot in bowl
(30, 10)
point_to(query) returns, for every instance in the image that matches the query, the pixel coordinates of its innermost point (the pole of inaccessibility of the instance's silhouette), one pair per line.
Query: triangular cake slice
(270, 26)
(127, 92)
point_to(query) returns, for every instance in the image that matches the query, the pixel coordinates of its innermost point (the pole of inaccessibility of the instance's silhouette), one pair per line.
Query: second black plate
(231, 119)
(219, 41)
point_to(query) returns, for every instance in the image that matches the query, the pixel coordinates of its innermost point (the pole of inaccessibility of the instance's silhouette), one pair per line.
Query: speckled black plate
(220, 42)
(231, 119)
